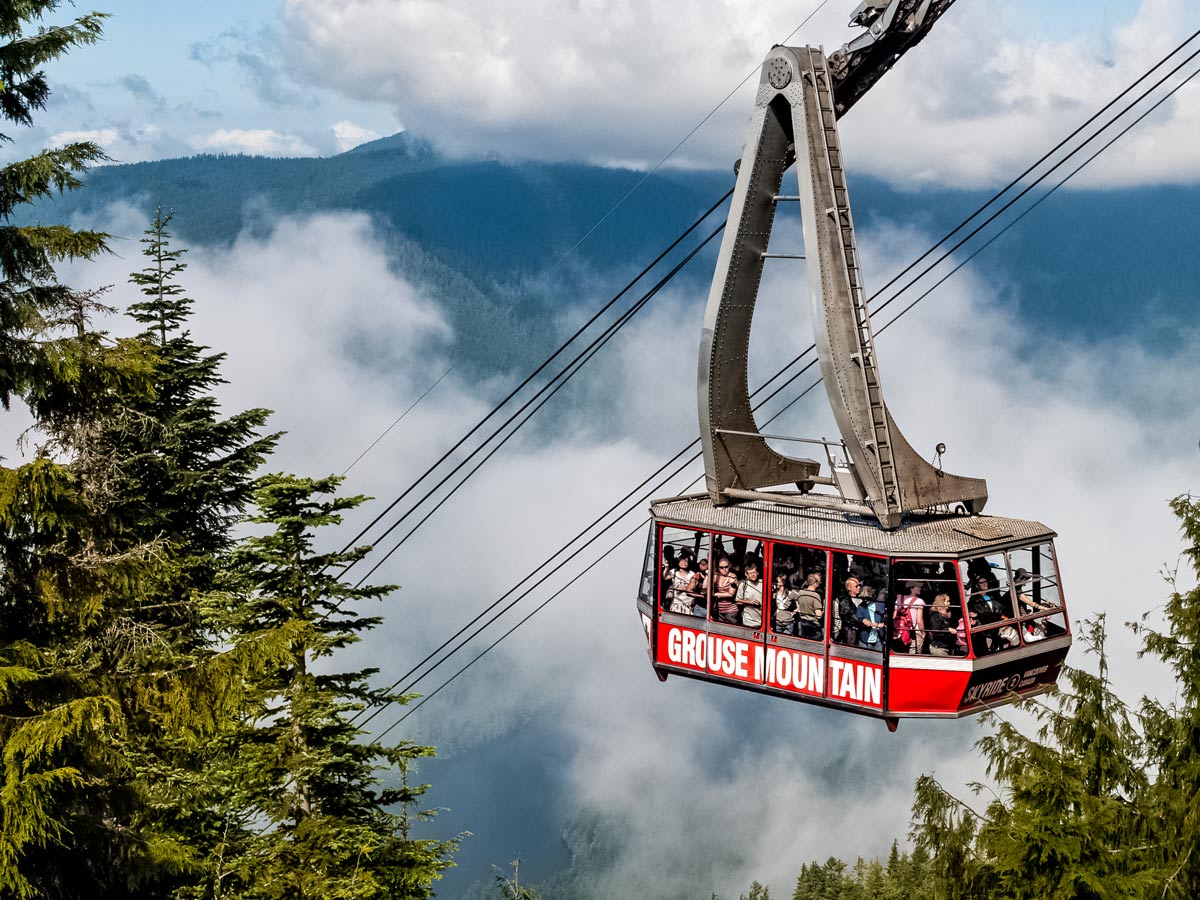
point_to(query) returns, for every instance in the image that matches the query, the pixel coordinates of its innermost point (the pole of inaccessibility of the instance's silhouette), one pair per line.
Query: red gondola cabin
(941, 618)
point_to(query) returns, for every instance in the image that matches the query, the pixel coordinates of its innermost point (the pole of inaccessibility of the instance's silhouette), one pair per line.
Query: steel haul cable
(579, 362)
(496, 409)
(877, 294)
(1009, 225)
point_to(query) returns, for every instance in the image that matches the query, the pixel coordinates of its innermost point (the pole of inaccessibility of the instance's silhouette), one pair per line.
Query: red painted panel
(795, 671)
(851, 681)
(681, 647)
(730, 658)
(925, 690)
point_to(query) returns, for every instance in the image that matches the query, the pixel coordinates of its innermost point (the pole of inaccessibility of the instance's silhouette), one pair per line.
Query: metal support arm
(795, 119)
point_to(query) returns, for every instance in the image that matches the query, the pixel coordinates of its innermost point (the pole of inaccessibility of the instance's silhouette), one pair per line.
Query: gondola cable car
(879, 587)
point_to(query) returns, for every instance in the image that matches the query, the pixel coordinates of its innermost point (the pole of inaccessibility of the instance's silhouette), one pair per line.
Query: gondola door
(859, 630)
(796, 656)
(737, 609)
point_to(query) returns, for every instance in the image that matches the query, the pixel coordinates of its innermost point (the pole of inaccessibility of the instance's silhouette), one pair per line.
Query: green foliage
(511, 887)
(30, 297)
(299, 766)
(1173, 730)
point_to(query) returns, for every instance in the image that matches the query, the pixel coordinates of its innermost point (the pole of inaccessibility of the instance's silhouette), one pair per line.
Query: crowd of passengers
(924, 620)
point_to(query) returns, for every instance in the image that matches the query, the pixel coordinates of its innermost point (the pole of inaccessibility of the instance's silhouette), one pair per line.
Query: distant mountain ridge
(1087, 261)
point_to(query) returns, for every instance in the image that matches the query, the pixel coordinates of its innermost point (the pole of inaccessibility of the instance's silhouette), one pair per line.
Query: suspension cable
(562, 378)
(532, 375)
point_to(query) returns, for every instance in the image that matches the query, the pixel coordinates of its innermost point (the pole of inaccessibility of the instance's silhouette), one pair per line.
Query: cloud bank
(607, 81)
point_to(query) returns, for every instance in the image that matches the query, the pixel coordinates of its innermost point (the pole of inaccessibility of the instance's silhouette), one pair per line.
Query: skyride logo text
(777, 667)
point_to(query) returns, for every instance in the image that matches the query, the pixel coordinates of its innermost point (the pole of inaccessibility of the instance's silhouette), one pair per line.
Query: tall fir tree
(55, 728)
(1070, 819)
(118, 687)
(31, 297)
(1173, 729)
(301, 768)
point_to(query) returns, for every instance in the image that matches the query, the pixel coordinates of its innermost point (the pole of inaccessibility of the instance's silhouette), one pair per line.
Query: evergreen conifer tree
(31, 298)
(1070, 820)
(1173, 730)
(109, 537)
(301, 769)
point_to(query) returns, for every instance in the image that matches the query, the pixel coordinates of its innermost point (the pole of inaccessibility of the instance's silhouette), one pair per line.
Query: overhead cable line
(563, 258)
(532, 375)
(1074, 134)
(562, 378)
(790, 380)
(811, 387)
(995, 198)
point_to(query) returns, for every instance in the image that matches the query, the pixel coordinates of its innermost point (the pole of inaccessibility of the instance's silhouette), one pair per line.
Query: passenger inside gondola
(798, 609)
(783, 605)
(991, 605)
(749, 595)
(724, 592)
(872, 624)
(810, 608)
(683, 581)
(851, 574)
(845, 613)
(910, 610)
(699, 589)
(940, 627)
(682, 578)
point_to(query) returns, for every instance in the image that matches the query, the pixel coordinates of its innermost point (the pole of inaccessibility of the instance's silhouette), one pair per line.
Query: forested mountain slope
(481, 234)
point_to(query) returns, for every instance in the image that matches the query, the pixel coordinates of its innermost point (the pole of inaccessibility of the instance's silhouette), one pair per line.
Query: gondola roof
(946, 534)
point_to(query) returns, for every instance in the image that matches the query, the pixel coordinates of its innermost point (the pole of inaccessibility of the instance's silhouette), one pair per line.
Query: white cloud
(349, 135)
(103, 136)
(609, 80)
(253, 142)
(124, 143)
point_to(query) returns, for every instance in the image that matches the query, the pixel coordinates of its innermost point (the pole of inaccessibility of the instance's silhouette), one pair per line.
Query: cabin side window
(649, 583)
(928, 614)
(798, 580)
(738, 581)
(683, 572)
(859, 592)
(1039, 599)
(991, 609)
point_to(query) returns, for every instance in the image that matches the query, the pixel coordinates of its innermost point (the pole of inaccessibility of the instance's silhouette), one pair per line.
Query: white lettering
(743, 658)
(758, 662)
(815, 676)
(688, 650)
(835, 677)
(673, 645)
(847, 691)
(986, 690)
(784, 668)
(728, 657)
(874, 694)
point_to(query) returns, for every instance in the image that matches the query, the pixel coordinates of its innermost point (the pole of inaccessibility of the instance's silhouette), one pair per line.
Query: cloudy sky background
(607, 81)
(699, 789)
